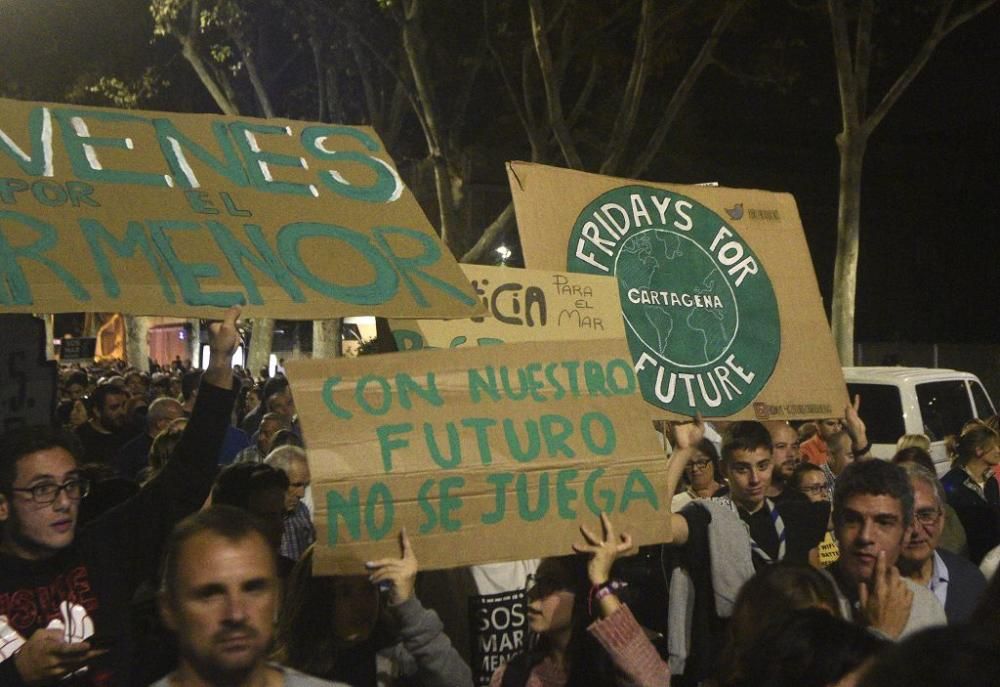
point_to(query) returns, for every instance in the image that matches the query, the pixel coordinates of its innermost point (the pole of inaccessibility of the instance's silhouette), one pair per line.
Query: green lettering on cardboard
(572, 367)
(80, 193)
(257, 161)
(410, 267)
(508, 389)
(499, 480)
(523, 506)
(349, 509)
(199, 202)
(593, 376)
(454, 446)
(238, 254)
(39, 163)
(627, 370)
(480, 425)
(565, 494)
(327, 394)
(18, 290)
(532, 383)
(188, 274)
(425, 505)
(610, 438)
(389, 444)
(175, 147)
(387, 187)
(81, 147)
(588, 494)
(9, 186)
(408, 340)
(360, 394)
(557, 429)
(450, 502)
(135, 238)
(638, 488)
(554, 382)
(517, 452)
(478, 385)
(405, 385)
(382, 289)
(48, 193)
(379, 494)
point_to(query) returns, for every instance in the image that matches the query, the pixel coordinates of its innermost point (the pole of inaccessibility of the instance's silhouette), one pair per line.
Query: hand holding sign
(400, 572)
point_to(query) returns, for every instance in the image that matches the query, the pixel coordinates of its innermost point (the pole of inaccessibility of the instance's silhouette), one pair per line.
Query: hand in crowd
(688, 434)
(400, 572)
(886, 600)
(223, 340)
(603, 550)
(855, 425)
(45, 657)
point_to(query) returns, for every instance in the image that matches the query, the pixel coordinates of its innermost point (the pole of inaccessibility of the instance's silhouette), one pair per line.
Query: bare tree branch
(863, 54)
(552, 88)
(502, 222)
(684, 88)
(850, 117)
(943, 27)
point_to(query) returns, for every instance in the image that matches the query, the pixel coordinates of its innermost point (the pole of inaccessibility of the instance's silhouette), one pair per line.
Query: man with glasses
(64, 595)
(955, 581)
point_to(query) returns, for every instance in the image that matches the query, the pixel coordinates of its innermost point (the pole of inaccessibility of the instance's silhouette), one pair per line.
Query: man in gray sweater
(872, 517)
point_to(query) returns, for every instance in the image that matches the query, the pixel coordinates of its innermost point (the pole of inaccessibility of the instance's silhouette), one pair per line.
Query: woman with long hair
(972, 490)
(366, 630)
(572, 649)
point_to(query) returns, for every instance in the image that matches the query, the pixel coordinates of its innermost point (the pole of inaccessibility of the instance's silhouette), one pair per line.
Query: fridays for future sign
(722, 310)
(180, 214)
(485, 453)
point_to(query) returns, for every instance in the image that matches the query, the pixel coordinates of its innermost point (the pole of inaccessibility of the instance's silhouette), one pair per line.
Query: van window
(983, 406)
(944, 407)
(882, 411)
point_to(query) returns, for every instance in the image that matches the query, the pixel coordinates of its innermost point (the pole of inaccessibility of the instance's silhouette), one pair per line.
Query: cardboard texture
(523, 305)
(477, 468)
(157, 213)
(722, 310)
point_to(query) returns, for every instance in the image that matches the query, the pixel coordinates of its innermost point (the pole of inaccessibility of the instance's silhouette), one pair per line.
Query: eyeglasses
(47, 492)
(699, 464)
(927, 516)
(537, 587)
(815, 489)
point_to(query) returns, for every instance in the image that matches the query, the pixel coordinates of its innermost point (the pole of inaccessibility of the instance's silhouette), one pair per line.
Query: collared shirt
(939, 579)
(249, 455)
(298, 533)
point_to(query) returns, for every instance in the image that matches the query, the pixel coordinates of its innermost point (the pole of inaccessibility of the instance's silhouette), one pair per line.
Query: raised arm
(686, 438)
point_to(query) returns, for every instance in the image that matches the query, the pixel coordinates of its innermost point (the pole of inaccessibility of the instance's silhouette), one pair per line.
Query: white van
(916, 400)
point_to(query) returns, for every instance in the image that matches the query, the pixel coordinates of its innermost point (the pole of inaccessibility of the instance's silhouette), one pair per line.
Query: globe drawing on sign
(689, 316)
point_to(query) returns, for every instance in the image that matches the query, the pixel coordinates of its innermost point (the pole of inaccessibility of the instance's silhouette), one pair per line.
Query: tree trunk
(50, 333)
(260, 344)
(194, 343)
(845, 280)
(326, 338)
(137, 342)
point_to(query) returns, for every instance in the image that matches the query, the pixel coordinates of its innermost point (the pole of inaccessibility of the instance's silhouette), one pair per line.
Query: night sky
(929, 212)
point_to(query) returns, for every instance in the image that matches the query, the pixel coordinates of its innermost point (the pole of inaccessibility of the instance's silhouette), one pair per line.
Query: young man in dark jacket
(64, 594)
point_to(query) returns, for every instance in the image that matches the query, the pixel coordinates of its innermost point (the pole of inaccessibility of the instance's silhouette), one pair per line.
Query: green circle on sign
(700, 312)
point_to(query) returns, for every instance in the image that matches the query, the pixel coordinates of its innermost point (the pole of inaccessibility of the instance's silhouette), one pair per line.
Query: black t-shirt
(804, 525)
(99, 447)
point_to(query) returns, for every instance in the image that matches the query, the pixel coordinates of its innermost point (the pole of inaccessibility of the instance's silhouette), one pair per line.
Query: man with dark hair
(76, 385)
(785, 456)
(108, 429)
(872, 517)
(275, 386)
(260, 490)
(725, 540)
(223, 553)
(60, 588)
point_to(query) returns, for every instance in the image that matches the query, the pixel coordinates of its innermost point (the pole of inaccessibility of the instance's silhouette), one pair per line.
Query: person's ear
(4, 508)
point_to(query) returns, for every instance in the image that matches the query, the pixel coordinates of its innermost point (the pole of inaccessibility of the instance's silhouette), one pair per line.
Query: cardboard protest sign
(523, 305)
(484, 454)
(722, 311)
(27, 379)
(181, 214)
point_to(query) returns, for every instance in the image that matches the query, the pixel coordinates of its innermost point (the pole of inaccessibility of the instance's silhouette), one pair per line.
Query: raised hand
(603, 550)
(886, 600)
(400, 572)
(688, 434)
(223, 340)
(855, 425)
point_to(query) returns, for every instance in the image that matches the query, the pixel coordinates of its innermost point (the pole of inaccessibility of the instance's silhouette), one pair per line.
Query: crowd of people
(160, 532)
